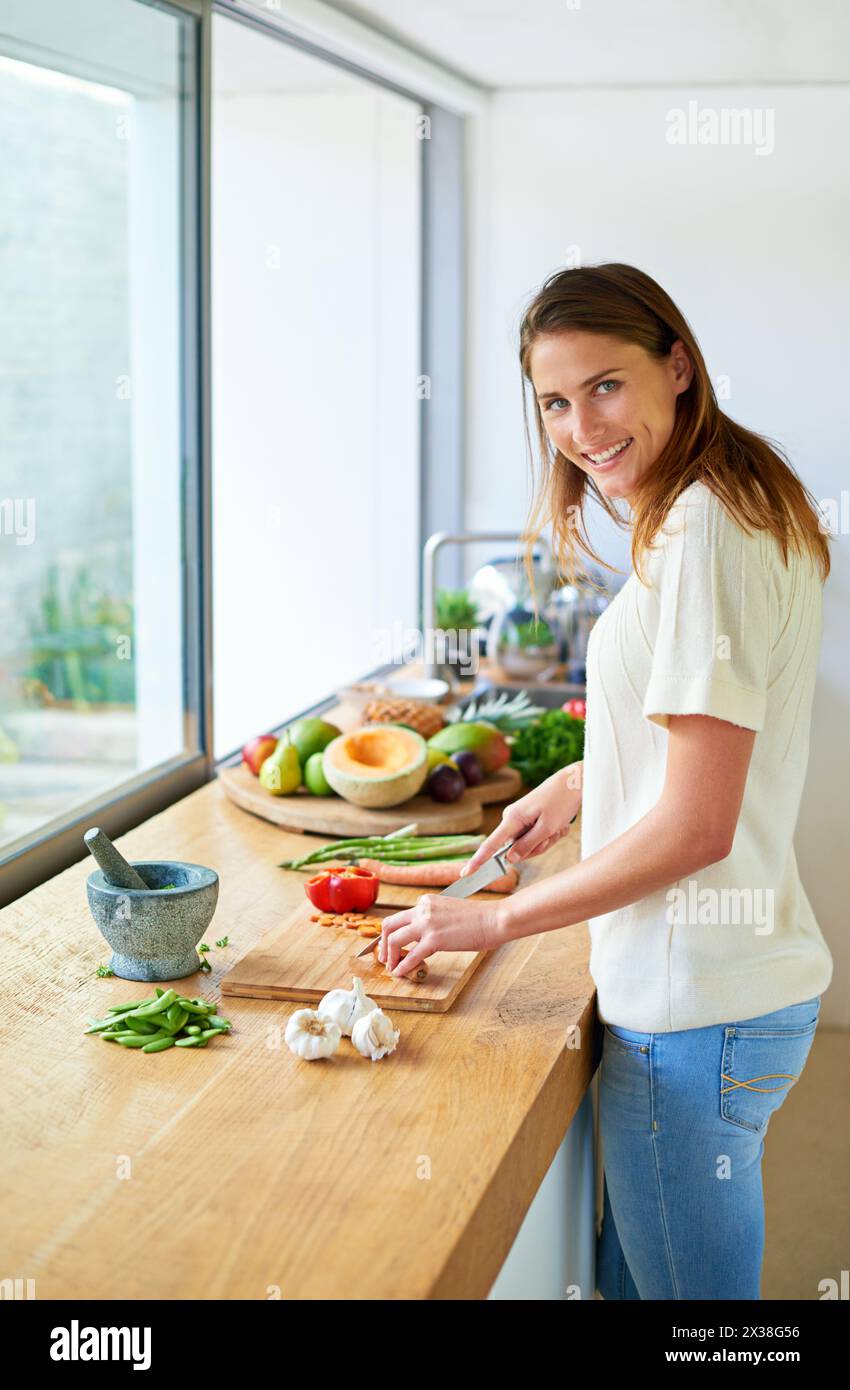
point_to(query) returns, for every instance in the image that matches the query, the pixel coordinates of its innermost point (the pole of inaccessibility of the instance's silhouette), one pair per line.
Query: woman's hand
(542, 817)
(436, 923)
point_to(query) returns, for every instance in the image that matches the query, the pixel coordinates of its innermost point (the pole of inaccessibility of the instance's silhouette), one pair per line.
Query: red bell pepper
(318, 889)
(351, 889)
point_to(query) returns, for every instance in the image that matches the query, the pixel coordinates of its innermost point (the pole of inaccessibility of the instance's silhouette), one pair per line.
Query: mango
(477, 736)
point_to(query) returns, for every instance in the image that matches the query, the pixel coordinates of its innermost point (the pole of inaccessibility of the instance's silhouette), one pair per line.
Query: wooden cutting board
(301, 960)
(333, 815)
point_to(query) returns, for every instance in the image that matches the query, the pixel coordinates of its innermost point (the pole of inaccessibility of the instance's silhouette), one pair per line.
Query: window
(97, 691)
(316, 398)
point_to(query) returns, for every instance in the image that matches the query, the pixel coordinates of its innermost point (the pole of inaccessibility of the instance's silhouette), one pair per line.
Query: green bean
(190, 1042)
(215, 1022)
(213, 1032)
(176, 1017)
(193, 1028)
(158, 1045)
(132, 1039)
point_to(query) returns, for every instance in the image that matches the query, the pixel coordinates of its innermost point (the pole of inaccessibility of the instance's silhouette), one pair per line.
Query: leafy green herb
(103, 972)
(203, 947)
(555, 741)
(203, 963)
(225, 941)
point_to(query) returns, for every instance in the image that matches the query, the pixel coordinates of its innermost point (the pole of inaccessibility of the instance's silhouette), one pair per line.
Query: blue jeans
(682, 1119)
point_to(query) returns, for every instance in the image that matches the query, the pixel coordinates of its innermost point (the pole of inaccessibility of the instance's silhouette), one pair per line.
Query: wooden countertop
(239, 1171)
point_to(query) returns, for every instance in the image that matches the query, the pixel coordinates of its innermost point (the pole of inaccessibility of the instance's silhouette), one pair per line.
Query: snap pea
(162, 1003)
(196, 1006)
(132, 1004)
(160, 1023)
(140, 1025)
(98, 1024)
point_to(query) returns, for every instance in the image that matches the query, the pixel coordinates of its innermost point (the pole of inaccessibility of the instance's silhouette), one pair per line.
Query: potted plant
(458, 630)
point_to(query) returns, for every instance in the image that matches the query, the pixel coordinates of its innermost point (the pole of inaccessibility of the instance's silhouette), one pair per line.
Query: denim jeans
(682, 1120)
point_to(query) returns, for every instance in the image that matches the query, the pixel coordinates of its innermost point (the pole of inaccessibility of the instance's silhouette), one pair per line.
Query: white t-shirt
(724, 630)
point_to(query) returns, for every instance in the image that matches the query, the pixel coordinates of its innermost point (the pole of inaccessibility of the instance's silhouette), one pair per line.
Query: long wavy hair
(750, 474)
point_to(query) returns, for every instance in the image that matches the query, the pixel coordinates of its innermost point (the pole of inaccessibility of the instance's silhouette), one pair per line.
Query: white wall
(753, 249)
(315, 357)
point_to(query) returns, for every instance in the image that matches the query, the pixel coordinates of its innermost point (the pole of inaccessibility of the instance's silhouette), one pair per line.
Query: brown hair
(750, 475)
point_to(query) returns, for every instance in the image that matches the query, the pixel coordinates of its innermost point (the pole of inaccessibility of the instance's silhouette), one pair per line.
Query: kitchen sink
(550, 695)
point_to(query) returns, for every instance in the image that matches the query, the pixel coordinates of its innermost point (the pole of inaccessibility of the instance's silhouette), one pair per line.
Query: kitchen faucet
(429, 572)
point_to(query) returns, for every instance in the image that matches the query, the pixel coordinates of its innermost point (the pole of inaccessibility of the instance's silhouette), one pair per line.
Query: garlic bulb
(374, 1035)
(346, 1006)
(310, 1034)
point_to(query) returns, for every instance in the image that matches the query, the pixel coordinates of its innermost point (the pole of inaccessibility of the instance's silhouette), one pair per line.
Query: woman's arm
(692, 825)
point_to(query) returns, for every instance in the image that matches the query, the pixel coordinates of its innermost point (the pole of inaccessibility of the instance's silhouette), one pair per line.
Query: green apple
(314, 776)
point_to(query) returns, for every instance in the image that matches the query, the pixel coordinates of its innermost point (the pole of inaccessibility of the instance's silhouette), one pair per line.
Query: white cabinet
(553, 1256)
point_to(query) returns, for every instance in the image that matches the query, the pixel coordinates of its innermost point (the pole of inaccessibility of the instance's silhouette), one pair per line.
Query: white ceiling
(246, 62)
(570, 43)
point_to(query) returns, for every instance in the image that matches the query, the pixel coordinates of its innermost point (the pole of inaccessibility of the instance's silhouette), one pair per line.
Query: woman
(707, 958)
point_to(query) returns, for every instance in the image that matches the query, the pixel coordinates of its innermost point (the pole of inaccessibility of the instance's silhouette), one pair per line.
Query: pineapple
(424, 718)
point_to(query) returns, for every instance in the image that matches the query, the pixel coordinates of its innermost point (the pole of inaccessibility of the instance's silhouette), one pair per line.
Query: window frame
(48, 851)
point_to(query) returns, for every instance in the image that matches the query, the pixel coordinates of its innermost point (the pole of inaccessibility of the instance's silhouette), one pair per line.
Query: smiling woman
(700, 681)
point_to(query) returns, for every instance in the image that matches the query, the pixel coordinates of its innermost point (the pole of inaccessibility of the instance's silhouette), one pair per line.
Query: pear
(280, 773)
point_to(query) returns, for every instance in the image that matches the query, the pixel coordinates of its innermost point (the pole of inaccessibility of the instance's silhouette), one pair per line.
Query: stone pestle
(115, 868)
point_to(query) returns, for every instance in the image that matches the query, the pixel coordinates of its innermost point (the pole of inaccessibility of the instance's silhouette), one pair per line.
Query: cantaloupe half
(377, 765)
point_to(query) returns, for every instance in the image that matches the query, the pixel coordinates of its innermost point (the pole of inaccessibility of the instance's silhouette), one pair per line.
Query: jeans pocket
(759, 1067)
(627, 1039)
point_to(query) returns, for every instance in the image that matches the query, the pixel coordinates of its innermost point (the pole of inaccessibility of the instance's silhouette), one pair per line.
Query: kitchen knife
(491, 869)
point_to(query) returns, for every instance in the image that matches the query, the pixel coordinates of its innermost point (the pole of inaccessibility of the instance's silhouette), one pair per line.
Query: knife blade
(491, 869)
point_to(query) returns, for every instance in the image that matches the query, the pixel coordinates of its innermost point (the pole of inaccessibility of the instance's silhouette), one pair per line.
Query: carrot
(434, 873)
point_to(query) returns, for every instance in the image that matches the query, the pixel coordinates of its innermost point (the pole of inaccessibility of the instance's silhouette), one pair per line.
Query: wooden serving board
(333, 815)
(301, 960)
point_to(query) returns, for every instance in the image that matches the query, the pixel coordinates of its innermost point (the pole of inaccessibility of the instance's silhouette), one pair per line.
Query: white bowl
(412, 688)
(359, 699)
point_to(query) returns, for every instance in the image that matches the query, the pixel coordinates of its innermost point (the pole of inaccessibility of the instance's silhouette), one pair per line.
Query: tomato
(351, 889)
(577, 708)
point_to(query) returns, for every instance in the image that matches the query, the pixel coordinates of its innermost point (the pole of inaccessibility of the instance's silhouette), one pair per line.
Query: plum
(470, 766)
(446, 783)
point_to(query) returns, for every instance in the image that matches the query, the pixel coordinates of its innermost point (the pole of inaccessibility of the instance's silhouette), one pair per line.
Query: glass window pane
(316, 397)
(91, 617)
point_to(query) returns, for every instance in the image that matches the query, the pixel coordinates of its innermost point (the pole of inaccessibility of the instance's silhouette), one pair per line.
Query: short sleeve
(711, 616)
